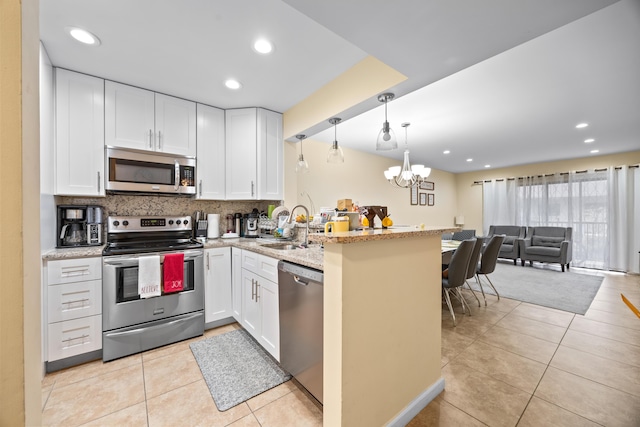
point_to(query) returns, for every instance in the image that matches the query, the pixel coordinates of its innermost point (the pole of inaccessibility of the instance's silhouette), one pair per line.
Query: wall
(47, 201)
(360, 178)
(470, 195)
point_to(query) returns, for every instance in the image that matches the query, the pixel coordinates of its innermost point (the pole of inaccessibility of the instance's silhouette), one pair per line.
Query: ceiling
(501, 83)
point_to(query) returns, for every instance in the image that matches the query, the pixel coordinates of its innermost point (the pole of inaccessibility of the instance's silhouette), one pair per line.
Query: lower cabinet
(217, 279)
(259, 300)
(236, 283)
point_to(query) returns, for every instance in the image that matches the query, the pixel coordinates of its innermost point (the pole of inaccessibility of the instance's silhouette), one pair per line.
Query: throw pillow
(552, 242)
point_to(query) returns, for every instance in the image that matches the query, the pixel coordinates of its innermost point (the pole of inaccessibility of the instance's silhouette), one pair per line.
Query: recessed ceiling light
(232, 84)
(582, 125)
(487, 166)
(469, 160)
(446, 152)
(83, 36)
(263, 46)
(588, 141)
(595, 151)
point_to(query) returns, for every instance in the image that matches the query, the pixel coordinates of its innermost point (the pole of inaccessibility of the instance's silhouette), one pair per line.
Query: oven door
(121, 304)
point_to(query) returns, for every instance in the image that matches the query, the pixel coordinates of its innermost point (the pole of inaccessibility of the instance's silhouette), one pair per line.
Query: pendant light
(386, 138)
(335, 154)
(301, 166)
(407, 176)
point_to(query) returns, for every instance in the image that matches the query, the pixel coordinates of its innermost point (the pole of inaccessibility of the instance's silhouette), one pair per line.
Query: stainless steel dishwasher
(300, 296)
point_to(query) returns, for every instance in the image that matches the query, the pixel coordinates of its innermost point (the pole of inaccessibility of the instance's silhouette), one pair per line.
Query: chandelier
(406, 176)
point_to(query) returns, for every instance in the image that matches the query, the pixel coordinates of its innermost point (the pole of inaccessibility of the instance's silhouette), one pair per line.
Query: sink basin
(280, 246)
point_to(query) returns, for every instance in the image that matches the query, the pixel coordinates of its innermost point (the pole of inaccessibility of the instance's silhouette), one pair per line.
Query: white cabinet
(236, 283)
(73, 295)
(211, 153)
(143, 120)
(217, 279)
(254, 153)
(79, 142)
(260, 314)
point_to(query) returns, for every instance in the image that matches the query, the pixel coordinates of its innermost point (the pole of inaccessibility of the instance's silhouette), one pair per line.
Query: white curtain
(624, 216)
(499, 203)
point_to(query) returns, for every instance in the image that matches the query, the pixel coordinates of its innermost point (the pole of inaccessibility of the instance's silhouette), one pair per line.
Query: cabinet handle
(200, 185)
(81, 337)
(257, 291)
(177, 176)
(98, 181)
(208, 261)
(253, 293)
(159, 140)
(75, 271)
(252, 187)
(150, 138)
(76, 301)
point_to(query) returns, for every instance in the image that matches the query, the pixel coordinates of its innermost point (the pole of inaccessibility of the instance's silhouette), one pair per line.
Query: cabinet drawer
(74, 270)
(73, 337)
(268, 268)
(250, 261)
(74, 300)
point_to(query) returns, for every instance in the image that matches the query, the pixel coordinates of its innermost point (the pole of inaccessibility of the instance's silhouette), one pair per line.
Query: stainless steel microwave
(148, 172)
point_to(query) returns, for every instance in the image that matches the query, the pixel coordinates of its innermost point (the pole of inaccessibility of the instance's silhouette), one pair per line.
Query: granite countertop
(368, 234)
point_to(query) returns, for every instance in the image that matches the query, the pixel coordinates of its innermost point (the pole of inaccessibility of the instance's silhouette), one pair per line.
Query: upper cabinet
(210, 167)
(79, 142)
(144, 120)
(254, 154)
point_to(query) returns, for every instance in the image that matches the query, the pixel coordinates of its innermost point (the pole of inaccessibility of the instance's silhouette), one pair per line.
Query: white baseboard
(417, 405)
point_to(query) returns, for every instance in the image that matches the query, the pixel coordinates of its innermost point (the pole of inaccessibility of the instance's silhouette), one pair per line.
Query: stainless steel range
(132, 324)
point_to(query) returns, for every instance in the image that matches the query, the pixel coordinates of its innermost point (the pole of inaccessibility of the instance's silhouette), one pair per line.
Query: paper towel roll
(213, 226)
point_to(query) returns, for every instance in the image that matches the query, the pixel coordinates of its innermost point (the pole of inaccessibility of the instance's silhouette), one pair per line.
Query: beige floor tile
(489, 400)
(90, 370)
(95, 397)
(453, 343)
(170, 349)
(541, 413)
(133, 416)
(618, 307)
(544, 314)
(515, 370)
(291, 410)
(439, 413)
(191, 405)
(46, 391)
(475, 325)
(270, 395)
(166, 373)
(534, 328)
(221, 330)
(516, 342)
(504, 305)
(606, 330)
(613, 319)
(604, 347)
(596, 402)
(248, 421)
(618, 375)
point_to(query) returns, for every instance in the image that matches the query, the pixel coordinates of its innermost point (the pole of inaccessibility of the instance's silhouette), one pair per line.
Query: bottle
(238, 223)
(230, 224)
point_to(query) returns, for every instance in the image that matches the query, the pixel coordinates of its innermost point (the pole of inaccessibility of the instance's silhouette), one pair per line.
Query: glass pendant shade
(301, 165)
(335, 154)
(386, 137)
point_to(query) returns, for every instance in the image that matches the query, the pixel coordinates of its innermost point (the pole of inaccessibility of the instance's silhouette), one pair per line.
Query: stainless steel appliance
(76, 226)
(145, 172)
(131, 324)
(300, 297)
(251, 225)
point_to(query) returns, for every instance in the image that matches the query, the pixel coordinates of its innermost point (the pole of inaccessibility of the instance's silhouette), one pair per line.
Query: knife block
(373, 212)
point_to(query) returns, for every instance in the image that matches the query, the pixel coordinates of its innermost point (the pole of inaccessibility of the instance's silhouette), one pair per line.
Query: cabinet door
(74, 300)
(240, 128)
(129, 117)
(270, 147)
(73, 337)
(251, 313)
(217, 291)
(79, 144)
(211, 153)
(270, 317)
(236, 283)
(175, 125)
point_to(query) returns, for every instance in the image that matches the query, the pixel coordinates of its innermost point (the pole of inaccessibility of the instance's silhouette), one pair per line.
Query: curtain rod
(550, 174)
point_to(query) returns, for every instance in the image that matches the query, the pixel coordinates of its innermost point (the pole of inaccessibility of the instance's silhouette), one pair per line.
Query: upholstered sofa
(509, 248)
(547, 244)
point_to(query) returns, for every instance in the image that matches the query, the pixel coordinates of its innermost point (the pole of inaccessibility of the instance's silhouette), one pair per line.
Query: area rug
(566, 291)
(236, 368)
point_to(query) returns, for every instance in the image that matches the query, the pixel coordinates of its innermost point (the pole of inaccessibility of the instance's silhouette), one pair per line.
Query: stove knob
(125, 223)
(186, 222)
(116, 223)
(170, 222)
(178, 222)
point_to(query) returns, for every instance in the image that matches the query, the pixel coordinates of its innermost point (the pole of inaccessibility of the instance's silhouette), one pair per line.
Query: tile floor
(508, 364)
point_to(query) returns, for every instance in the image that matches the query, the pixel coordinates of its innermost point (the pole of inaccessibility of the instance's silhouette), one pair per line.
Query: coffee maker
(79, 226)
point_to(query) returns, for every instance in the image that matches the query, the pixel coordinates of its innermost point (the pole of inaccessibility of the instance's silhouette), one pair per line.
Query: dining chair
(463, 234)
(473, 264)
(488, 263)
(456, 275)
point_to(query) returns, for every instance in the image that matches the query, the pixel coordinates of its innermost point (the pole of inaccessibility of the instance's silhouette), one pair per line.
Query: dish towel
(149, 276)
(173, 272)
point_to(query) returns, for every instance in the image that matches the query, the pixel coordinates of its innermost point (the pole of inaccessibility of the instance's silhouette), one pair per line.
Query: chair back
(459, 264)
(490, 255)
(509, 230)
(475, 256)
(464, 235)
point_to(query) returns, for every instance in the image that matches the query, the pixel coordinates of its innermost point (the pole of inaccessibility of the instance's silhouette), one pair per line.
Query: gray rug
(236, 368)
(566, 291)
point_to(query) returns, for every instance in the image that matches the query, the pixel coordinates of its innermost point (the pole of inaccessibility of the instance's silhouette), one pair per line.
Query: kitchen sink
(281, 246)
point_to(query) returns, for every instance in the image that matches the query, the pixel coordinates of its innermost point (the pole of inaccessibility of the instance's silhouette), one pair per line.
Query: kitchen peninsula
(382, 320)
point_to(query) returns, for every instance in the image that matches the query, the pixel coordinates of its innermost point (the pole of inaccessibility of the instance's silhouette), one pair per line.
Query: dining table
(448, 248)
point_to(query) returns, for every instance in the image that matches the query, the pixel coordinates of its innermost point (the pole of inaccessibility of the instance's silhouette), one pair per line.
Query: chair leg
(481, 289)
(473, 292)
(522, 262)
(562, 266)
(493, 287)
(463, 301)
(515, 262)
(445, 291)
(567, 266)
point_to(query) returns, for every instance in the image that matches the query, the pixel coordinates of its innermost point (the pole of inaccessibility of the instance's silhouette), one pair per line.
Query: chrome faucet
(306, 236)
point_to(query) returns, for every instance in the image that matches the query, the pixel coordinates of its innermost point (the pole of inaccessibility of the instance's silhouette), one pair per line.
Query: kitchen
(442, 213)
